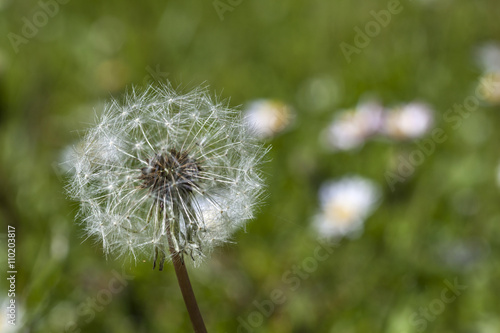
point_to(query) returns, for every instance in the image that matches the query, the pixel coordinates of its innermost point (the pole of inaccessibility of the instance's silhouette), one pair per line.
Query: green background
(442, 224)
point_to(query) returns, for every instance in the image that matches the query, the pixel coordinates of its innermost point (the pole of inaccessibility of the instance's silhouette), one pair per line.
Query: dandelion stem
(186, 289)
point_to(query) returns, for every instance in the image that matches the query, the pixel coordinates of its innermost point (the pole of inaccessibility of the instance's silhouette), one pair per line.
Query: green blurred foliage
(441, 224)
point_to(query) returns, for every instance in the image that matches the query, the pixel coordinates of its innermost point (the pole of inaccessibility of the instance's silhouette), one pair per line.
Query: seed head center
(171, 175)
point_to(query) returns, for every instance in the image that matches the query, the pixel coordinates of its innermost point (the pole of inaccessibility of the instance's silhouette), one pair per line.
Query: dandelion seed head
(163, 164)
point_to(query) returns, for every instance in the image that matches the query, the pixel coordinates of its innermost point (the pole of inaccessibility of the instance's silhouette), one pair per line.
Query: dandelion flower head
(166, 169)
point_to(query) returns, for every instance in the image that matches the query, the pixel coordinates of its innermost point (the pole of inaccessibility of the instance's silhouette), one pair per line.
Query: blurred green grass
(262, 49)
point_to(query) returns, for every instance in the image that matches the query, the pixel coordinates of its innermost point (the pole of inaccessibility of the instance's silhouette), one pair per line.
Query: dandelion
(345, 204)
(408, 121)
(266, 118)
(166, 173)
(351, 128)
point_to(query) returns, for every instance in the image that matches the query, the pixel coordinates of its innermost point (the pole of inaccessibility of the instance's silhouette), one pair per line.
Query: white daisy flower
(408, 121)
(351, 128)
(345, 204)
(489, 87)
(488, 56)
(267, 118)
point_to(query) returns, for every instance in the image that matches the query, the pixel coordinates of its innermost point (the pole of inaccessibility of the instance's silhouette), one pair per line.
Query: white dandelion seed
(162, 166)
(345, 204)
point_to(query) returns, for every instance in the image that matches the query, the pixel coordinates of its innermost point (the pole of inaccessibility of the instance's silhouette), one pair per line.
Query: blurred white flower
(345, 204)
(59, 245)
(351, 128)
(166, 170)
(408, 121)
(489, 87)
(266, 118)
(488, 56)
(107, 35)
(463, 255)
(319, 93)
